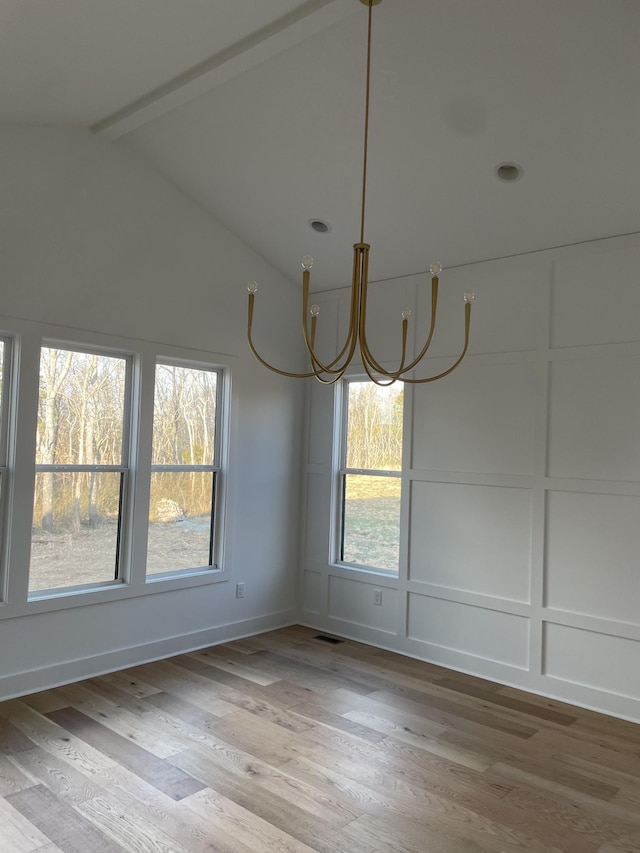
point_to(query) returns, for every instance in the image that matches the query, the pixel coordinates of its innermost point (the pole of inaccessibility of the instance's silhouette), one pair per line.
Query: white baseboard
(582, 696)
(35, 680)
(67, 672)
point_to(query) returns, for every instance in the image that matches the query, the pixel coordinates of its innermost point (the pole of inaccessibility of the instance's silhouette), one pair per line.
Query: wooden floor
(288, 742)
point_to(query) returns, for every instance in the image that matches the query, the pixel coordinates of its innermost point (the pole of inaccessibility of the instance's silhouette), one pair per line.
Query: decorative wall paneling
(520, 552)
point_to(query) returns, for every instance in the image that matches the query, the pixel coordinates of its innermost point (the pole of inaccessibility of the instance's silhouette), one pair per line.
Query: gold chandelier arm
(467, 322)
(309, 339)
(352, 336)
(423, 351)
(262, 360)
(314, 323)
(338, 374)
(372, 367)
(306, 275)
(368, 360)
(318, 368)
(332, 379)
(374, 375)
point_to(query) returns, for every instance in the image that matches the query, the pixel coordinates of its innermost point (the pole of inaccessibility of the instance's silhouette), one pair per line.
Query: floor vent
(333, 640)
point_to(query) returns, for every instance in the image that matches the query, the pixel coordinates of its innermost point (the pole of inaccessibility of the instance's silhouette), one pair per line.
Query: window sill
(349, 568)
(64, 599)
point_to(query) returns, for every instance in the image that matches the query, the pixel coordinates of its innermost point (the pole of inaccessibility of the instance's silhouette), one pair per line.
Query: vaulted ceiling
(255, 109)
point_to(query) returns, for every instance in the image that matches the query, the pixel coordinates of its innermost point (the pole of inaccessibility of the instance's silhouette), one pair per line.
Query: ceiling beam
(308, 19)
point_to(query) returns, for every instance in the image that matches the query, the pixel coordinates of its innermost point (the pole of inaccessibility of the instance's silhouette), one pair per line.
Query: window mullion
(371, 472)
(141, 448)
(184, 468)
(19, 495)
(47, 469)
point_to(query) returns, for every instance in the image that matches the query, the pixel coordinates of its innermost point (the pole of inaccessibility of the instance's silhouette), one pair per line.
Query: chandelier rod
(365, 158)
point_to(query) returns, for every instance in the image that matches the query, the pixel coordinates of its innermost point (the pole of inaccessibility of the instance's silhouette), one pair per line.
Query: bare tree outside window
(79, 469)
(370, 475)
(184, 469)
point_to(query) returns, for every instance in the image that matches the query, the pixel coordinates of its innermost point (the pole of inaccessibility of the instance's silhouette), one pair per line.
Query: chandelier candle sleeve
(329, 372)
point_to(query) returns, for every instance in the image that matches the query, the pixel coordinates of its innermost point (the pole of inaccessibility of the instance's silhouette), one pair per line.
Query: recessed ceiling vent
(320, 226)
(509, 172)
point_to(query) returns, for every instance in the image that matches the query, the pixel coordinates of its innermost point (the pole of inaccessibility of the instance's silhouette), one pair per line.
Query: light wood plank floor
(287, 742)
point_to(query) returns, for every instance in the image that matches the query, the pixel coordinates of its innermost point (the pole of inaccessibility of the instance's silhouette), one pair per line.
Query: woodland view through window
(370, 475)
(81, 445)
(102, 499)
(184, 469)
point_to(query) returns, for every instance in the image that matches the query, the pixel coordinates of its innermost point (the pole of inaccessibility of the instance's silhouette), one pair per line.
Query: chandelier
(329, 372)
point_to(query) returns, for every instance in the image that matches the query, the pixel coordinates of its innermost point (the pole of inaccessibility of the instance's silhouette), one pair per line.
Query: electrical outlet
(377, 596)
(239, 590)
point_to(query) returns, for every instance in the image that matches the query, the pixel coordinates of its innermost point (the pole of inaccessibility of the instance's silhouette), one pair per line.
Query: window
(81, 468)
(370, 475)
(185, 469)
(111, 468)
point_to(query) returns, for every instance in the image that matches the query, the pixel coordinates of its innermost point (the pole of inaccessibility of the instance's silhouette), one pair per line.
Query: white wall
(521, 508)
(92, 238)
(522, 488)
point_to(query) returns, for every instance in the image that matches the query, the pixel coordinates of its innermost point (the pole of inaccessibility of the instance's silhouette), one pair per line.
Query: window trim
(22, 385)
(215, 468)
(123, 468)
(339, 492)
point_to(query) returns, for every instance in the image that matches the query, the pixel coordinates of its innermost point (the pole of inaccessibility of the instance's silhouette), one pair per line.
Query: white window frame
(21, 390)
(123, 468)
(215, 468)
(342, 471)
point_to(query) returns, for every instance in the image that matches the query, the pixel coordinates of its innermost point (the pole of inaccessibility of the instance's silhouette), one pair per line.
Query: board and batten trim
(543, 311)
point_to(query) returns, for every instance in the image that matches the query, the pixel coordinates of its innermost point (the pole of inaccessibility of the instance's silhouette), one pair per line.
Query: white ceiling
(255, 108)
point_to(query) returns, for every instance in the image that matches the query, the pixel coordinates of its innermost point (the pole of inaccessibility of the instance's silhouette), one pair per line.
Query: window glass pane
(371, 517)
(179, 520)
(80, 408)
(75, 529)
(184, 416)
(374, 426)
